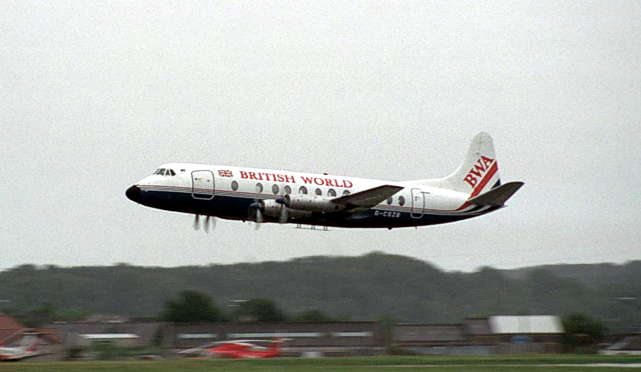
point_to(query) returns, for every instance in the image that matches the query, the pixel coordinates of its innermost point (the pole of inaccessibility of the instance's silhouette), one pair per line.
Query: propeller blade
(283, 217)
(259, 218)
(255, 212)
(196, 222)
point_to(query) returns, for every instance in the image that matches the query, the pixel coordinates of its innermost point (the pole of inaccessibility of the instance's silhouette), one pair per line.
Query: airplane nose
(134, 193)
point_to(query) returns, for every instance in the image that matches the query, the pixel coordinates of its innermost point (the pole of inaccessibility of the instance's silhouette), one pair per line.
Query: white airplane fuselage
(262, 195)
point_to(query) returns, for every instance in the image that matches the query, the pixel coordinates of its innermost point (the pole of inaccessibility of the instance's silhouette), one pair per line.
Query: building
(479, 331)
(9, 328)
(83, 334)
(303, 339)
(539, 334)
(437, 339)
(479, 336)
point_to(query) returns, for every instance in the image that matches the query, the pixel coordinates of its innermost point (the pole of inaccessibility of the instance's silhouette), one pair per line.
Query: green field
(382, 364)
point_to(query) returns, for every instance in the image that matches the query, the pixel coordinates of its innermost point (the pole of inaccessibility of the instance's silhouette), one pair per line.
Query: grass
(357, 364)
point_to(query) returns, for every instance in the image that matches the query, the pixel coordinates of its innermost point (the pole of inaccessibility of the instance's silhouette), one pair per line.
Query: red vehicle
(239, 349)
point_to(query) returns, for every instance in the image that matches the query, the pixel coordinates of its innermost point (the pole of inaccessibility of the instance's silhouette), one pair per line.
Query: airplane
(238, 349)
(306, 199)
(28, 349)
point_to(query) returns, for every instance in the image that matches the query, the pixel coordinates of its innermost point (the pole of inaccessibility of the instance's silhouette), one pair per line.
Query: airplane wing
(198, 349)
(497, 196)
(237, 342)
(368, 198)
(23, 355)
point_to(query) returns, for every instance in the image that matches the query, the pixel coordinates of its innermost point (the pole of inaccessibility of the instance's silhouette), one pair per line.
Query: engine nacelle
(312, 203)
(273, 209)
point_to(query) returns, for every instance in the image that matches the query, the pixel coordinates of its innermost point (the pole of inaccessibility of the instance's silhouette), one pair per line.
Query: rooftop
(526, 324)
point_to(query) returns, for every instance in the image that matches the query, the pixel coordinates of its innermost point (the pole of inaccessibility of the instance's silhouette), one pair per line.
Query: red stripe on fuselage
(477, 190)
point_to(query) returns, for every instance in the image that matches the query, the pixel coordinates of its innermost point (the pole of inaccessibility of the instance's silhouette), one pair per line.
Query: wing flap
(497, 196)
(368, 198)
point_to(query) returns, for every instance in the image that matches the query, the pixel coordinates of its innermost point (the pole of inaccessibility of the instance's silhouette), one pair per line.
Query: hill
(372, 286)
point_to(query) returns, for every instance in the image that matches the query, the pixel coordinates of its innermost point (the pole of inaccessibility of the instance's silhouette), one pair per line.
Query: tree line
(368, 287)
(197, 307)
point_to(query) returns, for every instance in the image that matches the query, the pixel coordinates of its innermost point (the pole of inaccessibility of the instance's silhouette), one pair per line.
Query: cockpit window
(165, 172)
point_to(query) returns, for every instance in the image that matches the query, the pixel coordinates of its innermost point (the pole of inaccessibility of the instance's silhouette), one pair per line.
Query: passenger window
(390, 200)
(319, 192)
(259, 188)
(401, 201)
(234, 185)
(288, 190)
(275, 189)
(331, 192)
(346, 192)
(302, 190)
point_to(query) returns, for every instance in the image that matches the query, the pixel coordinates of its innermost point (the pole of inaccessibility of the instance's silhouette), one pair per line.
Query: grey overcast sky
(94, 95)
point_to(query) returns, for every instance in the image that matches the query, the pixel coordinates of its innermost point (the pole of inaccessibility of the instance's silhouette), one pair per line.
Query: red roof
(8, 326)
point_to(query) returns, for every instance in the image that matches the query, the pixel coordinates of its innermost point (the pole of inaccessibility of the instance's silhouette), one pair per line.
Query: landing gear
(312, 227)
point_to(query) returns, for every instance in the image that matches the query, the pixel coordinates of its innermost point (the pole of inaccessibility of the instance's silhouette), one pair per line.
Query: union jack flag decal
(225, 173)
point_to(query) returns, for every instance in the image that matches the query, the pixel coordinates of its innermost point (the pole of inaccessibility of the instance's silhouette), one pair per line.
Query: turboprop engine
(295, 207)
(312, 203)
(275, 209)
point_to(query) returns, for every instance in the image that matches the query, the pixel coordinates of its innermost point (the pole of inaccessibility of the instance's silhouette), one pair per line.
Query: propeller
(209, 221)
(257, 216)
(257, 207)
(283, 216)
(196, 222)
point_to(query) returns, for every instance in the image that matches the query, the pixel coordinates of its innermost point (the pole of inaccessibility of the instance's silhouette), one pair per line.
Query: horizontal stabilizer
(497, 196)
(368, 198)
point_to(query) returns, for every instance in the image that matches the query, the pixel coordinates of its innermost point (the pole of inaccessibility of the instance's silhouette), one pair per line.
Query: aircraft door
(202, 185)
(418, 203)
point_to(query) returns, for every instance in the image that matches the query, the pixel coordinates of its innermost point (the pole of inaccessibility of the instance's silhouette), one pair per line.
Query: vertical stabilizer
(478, 173)
(29, 343)
(274, 347)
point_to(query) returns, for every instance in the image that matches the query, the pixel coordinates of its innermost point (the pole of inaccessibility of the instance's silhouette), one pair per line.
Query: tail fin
(29, 343)
(477, 174)
(274, 346)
